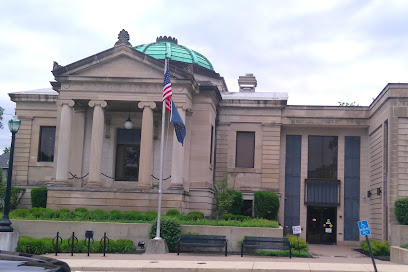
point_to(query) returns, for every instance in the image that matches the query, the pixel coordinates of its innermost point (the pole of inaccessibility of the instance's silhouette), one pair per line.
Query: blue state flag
(178, 123)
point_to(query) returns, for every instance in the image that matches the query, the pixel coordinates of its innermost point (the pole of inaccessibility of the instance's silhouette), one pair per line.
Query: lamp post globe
(5, 223)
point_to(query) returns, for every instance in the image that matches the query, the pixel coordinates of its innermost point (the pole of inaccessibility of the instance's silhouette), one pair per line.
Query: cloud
(329, 50)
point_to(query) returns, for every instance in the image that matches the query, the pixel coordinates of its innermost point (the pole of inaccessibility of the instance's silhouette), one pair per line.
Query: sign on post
(364, 231)
(364, 228)
(296, 229)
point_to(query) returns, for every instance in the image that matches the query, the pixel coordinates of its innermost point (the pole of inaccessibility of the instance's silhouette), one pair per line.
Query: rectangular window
(245, 149)
(46, 144)
(212, 143)
(322, 157)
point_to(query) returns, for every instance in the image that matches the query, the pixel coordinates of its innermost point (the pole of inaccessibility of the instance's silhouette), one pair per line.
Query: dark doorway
(321, 225)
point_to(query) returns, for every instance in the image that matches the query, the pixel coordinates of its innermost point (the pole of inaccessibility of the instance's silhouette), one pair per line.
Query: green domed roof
(175, 52)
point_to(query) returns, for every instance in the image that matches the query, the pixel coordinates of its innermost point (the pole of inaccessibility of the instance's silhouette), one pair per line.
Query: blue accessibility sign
(364, 228)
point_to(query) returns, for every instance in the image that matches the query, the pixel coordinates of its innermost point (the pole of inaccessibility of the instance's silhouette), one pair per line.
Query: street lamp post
(5, 223)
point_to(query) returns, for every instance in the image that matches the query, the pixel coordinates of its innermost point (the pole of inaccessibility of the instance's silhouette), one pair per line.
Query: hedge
(194, 216)
(266, 205)
(82, 214)
(401, 210)
(173, 212)
(284, 253)
(41, 246)
(170, 230)
(378, 248)
(39, 197)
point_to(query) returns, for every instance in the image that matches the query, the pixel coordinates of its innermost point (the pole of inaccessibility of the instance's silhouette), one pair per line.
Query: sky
(319, 52)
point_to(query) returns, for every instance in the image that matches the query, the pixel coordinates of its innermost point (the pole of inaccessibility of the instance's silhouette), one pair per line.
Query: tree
(6, 150)
(1, 116)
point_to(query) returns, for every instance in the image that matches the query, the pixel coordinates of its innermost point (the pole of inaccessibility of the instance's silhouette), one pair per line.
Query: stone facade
(92, 98)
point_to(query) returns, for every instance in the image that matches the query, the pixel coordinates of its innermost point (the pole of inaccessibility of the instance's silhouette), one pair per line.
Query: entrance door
(127, 162)
(127, 155)
(321, 225)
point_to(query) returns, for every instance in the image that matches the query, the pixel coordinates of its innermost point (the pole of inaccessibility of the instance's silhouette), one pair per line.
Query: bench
(189, 240)
(266, 243)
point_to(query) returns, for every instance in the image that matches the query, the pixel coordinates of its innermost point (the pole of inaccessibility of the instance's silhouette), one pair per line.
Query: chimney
(247, 83)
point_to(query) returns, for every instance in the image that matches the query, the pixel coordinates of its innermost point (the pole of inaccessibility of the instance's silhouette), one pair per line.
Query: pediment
(122, 66)
(122, 62)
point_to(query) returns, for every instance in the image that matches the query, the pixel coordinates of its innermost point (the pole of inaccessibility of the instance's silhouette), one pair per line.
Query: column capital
(143, 104)
(101, 103)
(186, 107)
(68, 102)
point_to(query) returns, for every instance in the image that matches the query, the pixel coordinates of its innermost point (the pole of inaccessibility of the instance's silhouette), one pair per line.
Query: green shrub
(122, 246)
(173, 212)
(42, 213)
(19, 213)
(82, 214)
(378, 248)
(34, 246)
(294, 240)
(133, 215)
(99, 214)
(115, 215)
(230, 201)
(228, 217)
(43, 246)
(194, 216)
(227, 200)
(266, 205)
(39, 197)
(405, 246)
(401, 210)
(63, 214)
(150, 215)
(170, 230)
(284, 253)
(80, 210)
(16, 196)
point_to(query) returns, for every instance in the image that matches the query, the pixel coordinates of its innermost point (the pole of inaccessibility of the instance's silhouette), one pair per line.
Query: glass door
(321, 225)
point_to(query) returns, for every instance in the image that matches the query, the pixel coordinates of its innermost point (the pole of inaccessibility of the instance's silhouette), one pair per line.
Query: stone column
(177, 159)
(146, 144)
(77, 144)
(95, 159)
(64, 142)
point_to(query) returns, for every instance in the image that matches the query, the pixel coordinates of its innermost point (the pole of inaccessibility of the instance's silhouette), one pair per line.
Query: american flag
(167, 94)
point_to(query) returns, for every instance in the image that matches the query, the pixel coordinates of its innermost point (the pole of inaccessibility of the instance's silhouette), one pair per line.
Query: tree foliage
(227, 200)
(16, 196)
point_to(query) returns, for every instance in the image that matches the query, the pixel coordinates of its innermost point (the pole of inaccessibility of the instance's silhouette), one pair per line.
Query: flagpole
(161, 162)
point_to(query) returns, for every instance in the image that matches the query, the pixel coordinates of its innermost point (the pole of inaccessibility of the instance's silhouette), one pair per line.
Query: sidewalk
(327, 259)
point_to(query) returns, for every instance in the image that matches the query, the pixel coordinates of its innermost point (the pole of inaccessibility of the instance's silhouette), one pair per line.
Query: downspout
(217, 121)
